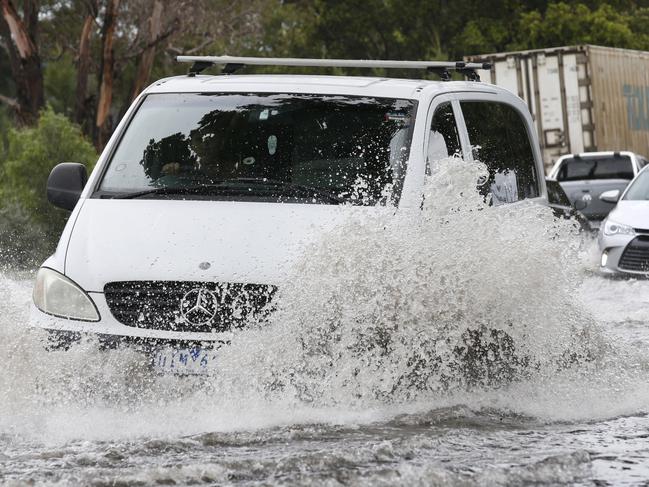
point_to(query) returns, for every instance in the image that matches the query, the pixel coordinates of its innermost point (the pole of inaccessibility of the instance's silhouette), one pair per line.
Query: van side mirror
(65, 184)
(610, 196)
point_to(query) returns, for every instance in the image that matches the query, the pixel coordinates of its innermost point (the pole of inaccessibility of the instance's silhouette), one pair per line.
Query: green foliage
(60, 84)
(5, 126)
(568, 24)
(29, 225)
(425, 29)
(482, 36)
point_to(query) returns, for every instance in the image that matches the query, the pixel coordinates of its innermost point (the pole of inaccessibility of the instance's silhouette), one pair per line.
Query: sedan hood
(632, 213)
(181, 240)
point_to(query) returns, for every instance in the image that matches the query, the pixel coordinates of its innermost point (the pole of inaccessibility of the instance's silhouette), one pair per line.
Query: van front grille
(636, 255)
(188, 306)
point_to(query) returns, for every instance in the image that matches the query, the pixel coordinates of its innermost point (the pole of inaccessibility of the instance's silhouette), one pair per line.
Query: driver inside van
(279, 146)
(217, 151)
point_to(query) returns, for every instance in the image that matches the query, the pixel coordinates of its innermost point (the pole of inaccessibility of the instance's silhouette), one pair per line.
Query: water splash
(395, 308)
(455, 303)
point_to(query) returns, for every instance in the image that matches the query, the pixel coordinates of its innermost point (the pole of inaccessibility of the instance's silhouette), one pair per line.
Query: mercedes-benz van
(212, 186)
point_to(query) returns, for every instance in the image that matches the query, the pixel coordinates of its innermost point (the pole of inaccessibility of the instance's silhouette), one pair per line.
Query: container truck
(582, 98)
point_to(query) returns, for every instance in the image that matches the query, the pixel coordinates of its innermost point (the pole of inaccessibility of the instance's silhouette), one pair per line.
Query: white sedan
(624, 235)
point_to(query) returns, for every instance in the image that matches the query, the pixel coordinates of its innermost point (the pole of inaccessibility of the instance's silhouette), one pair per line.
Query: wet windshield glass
(639, 189)
(268, 147)
(604, 167)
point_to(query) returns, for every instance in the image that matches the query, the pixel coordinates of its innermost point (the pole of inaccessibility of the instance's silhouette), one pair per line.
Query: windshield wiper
(301, 189)
(203, 189)
(234, 184)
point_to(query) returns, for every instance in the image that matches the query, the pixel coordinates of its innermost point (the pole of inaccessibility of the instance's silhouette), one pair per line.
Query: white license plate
(184, 361)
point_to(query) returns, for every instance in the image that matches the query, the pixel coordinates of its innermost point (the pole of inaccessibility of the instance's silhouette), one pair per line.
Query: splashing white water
(399, 307)
(456, 303)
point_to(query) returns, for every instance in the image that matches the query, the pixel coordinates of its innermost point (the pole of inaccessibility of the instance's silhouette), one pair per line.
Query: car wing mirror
(65, 184)
(610, 196)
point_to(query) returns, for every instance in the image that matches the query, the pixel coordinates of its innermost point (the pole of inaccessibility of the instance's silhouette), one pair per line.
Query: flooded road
(371, 374)
(583, 427)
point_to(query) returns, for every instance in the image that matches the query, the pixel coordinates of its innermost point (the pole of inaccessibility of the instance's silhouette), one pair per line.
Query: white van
(212, 186)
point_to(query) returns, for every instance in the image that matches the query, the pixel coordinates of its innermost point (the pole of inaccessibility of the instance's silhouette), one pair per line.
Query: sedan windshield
(639, 189)
(615, 166)
(326, 149)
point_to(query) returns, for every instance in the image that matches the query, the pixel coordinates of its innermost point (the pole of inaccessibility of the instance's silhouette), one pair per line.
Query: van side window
(444, 140)
(499, 139)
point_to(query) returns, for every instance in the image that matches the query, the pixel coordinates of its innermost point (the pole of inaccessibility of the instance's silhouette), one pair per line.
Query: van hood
(175, 240)
(631, 212)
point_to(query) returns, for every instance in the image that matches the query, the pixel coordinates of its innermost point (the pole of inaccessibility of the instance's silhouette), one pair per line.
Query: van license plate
(184, 361)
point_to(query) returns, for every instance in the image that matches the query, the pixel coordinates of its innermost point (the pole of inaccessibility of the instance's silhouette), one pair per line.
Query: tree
(417, 29)
(567, 24)
(83, 44)
(153, 31)
(84, 62)
(102, 122)
(20, 41)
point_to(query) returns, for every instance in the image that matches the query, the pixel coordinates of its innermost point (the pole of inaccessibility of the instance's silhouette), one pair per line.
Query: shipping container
(582, 98)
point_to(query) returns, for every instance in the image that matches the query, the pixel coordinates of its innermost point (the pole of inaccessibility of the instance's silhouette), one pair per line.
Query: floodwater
(365, 374)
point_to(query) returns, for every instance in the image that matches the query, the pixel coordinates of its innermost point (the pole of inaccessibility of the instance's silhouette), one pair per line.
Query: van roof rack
(232, 64)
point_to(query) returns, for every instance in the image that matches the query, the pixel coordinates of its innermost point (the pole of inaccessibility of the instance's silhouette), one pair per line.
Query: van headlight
(57, 295)
(613, 228)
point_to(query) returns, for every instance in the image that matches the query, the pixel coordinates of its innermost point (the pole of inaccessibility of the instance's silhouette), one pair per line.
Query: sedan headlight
(57, 295)
(613, 228)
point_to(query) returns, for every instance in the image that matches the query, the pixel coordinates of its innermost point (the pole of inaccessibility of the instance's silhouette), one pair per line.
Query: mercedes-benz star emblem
(199, 306)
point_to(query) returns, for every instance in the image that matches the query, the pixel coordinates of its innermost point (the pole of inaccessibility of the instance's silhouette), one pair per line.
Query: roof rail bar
(232, 63)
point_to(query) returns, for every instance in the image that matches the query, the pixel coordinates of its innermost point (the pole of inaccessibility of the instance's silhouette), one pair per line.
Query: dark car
(584, 177)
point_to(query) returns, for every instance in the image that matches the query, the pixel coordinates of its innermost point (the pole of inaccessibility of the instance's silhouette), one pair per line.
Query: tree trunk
(103, 123)
(145, 64)
(21, 38)
(83, 68)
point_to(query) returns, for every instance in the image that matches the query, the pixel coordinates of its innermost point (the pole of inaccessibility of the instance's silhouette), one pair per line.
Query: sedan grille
(188, 306)
(636, 255)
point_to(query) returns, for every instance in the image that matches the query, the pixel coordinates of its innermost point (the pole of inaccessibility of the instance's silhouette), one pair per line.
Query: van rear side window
(499, 139)
(605, 167)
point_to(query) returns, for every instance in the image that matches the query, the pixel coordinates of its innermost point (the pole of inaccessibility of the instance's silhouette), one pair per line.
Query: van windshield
(268, 147)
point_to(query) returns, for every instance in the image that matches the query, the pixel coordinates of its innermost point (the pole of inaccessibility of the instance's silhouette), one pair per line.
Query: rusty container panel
(619, 83)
